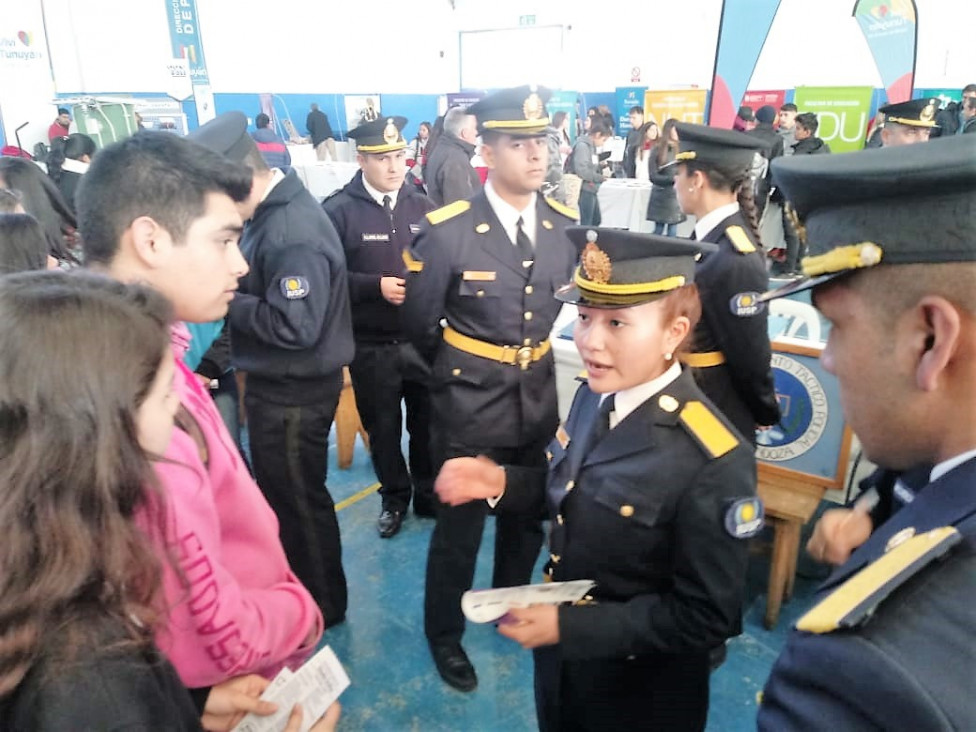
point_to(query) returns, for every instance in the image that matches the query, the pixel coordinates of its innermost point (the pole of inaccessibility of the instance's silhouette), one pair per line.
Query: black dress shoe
(389, 523)
(453, 666)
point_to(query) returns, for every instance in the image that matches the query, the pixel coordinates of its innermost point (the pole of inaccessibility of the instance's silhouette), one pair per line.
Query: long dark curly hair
(735, 179)
(78, 355)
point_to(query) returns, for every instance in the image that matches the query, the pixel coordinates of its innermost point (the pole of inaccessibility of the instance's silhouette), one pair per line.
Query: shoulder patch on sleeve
(569, 213)
(701, 423)
(294, 287)
(442, 214)
(854, 601)
(413, 265)
(740, 239)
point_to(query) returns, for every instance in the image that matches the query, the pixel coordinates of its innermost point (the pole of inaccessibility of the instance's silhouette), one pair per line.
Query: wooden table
(789, 504)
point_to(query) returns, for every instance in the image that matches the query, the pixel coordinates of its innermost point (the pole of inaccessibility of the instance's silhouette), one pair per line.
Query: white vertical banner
(26, 82)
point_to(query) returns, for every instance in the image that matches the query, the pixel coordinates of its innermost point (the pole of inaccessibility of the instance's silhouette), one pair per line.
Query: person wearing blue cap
(892, 267)
(489, 266)
(377, 216)
(651, 494)
(291, 332)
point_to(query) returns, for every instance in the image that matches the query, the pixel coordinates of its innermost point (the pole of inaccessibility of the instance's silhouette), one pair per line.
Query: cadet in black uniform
(489, 266)
(907, 123)
(377, 216)
(892, 644)
(291, 332)
(731, 353)
(651, 493)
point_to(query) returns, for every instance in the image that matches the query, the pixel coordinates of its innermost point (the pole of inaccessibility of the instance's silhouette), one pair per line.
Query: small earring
(668, 356)
(691, 190)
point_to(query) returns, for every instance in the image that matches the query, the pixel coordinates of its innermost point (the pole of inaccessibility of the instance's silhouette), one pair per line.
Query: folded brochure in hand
(316, 685)
(488, 606)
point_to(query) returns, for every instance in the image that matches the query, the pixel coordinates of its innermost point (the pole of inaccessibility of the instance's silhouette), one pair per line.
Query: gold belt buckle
(523, 357)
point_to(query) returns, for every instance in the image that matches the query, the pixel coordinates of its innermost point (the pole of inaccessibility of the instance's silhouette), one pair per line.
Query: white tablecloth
(301, 154)
(323, 178)
(623, 204)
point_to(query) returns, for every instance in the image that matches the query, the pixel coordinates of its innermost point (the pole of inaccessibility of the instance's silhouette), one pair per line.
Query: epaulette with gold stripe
(740, 240)
(701, 423)
(855, 600)
(569, 213)
(413, 265)
(442, 214)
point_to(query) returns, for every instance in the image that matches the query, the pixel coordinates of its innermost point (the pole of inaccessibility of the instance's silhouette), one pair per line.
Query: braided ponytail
(747, 204)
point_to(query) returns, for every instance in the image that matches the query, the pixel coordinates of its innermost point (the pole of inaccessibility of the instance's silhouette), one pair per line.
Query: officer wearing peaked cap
(908, 122)
(651, 495)
(892, 266)
(291, 333)
(377, 216)
(731, 352)
(489, 266)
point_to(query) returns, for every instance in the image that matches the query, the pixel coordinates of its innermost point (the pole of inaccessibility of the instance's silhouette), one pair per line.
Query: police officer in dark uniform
(907, 123)
(892, 265)
(377, 216)
(651, 494)
(291, 332)
(489, 266)
(731, 352)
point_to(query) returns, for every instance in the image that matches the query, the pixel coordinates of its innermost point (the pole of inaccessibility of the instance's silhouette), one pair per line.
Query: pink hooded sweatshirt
(234, 606)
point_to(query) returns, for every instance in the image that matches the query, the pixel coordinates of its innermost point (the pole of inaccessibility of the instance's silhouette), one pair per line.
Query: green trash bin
(104, 120)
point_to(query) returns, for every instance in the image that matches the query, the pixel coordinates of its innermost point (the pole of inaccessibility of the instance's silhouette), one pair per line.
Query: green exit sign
(526, 20)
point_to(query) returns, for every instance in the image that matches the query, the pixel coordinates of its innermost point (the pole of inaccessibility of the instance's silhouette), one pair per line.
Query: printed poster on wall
(684, 105)
(628, 97)
(843, 112)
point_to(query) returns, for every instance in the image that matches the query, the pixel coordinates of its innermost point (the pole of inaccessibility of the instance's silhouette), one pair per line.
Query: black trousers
(457, 535)
(290, 456)
(383, 375)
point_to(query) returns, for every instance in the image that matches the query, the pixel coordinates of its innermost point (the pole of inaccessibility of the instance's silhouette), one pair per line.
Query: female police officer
(651, 494)
(731, 358)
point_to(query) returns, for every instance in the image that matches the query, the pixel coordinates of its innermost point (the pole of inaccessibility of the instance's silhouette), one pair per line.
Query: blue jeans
(589, 208)
(662, 229)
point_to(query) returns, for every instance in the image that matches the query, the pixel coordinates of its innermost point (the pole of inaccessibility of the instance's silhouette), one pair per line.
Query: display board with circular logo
(810, 437)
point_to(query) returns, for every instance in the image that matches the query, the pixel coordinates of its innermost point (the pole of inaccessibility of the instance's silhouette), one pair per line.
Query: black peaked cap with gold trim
(226, 134)
(382, 135)
(519, 111)
(912, 204)
(712, 146)
(620, 268)
(914, 113)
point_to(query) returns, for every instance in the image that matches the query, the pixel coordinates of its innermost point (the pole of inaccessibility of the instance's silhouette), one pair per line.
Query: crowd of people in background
(152, 565)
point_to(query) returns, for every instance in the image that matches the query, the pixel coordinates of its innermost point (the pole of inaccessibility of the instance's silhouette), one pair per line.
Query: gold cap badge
(596, 262)
(533, 107)
(928, 113)
(390, 133)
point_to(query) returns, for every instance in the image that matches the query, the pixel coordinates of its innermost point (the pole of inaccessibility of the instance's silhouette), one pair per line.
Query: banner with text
(28, 86)
(843, 113)
(684, 105)
(628, 97)
(564, 101)
(756, 99)
(187, 43)
(741, 35)
(891, 30)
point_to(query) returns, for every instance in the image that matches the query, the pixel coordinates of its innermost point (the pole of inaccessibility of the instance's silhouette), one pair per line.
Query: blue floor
(394, 683)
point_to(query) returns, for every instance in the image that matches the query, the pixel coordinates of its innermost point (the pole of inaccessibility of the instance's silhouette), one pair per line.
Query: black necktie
(694, 235)
(387, 201)
(601, 424)
(524, 244)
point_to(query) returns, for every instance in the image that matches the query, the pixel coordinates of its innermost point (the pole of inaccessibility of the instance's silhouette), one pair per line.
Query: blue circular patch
(796, 409)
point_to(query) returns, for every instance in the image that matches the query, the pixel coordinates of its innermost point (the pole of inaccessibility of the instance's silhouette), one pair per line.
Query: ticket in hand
(488, 606)
(316, 685)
